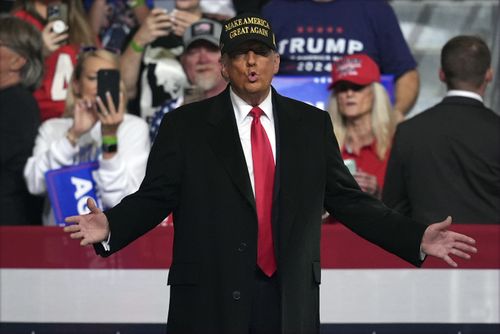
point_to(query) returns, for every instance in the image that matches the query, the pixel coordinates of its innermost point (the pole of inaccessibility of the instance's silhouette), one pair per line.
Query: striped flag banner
(49, 284)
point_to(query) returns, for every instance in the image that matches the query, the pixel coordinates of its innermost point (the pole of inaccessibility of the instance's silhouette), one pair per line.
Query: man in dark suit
(446, 160)
(247, 174)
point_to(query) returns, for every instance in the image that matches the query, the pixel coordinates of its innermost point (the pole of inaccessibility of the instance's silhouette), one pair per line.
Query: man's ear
(182, 59)
(223, 69)
(489, 75)
(442, 76)
(276, 65)
(17, 63)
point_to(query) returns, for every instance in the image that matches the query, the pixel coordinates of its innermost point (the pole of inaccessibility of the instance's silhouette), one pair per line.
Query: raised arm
(155, 25)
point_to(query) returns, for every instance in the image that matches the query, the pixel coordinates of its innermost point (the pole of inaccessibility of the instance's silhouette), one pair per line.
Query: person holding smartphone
(151, 68)
(64, 26)
(363, 120)
(92, 128)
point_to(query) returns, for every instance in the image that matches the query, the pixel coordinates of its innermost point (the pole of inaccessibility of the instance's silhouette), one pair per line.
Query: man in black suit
(247, 174)
(446, 160)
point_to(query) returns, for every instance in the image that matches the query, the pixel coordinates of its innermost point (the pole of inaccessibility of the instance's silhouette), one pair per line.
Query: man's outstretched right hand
(91, 228)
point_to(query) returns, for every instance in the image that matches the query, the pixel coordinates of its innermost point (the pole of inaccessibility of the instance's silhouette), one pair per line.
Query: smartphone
(351, 165)
(168, 5)
(57, 12)
(109, 81)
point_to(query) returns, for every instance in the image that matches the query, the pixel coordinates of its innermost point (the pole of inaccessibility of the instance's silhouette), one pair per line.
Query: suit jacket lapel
(225, 143)
(287, 124)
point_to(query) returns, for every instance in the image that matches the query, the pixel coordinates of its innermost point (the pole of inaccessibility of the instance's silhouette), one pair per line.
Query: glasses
(260, 50)
(91, 48)
(342, 87)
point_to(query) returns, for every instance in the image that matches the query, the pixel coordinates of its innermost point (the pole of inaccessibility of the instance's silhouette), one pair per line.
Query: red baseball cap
(358, 68)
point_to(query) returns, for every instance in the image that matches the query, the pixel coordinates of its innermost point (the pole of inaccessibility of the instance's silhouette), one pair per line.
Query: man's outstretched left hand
(438, 241)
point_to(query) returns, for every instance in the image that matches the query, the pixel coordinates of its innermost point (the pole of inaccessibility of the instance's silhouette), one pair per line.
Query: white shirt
(244, 124)
(116, 177)
(464, 93)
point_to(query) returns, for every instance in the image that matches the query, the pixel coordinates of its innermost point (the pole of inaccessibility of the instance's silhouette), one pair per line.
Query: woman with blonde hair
(363, 119)
(60, 49)
(90, 131)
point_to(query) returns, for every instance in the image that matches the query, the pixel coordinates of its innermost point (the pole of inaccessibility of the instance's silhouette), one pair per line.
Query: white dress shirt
(464, 93)
(244, 124)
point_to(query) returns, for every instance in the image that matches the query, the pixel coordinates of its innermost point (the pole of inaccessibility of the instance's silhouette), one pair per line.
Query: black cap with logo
(243, 28)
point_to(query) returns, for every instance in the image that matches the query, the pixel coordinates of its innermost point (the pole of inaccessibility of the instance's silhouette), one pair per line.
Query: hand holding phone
(109, 81)
(57, 12)
(110, 102)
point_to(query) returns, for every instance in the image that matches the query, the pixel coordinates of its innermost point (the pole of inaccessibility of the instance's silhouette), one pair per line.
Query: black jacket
(446, 161)
(197, 170)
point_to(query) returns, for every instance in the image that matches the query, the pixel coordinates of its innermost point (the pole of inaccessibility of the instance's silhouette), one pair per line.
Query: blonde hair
(80, 32)
(78, 71)
(382, 116)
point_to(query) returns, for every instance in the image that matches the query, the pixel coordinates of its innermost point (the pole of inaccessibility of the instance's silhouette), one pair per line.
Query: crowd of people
(53, 118)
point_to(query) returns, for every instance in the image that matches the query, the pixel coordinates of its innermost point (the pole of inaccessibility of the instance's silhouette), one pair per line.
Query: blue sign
(314, 90)
(69, 188)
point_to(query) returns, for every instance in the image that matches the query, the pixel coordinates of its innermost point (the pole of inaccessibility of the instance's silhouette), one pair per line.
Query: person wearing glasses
(89, 131)
(21, 70)
(363, 120)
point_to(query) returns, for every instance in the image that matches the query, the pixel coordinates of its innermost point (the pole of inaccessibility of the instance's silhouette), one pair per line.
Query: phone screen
(57, 11)
(108, 81)
(351, 165)
(169, 5)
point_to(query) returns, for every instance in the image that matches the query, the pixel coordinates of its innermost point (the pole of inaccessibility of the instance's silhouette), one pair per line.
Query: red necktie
(263, 172)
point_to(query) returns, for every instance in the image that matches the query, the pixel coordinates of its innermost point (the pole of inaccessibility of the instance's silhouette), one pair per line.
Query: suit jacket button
(236, 295)
(242, 247)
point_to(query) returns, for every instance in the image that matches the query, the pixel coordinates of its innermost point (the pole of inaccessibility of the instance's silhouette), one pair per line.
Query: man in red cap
(247, 174)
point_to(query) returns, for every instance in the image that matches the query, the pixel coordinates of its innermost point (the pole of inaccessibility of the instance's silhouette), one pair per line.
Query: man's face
(250, 70)
(201, 61)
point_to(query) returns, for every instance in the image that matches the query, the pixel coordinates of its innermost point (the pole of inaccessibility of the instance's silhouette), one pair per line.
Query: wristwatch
(109, 148)
(109, 144)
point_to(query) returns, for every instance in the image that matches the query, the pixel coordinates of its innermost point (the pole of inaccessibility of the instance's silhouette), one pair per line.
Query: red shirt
(59, 65)
(368, 161)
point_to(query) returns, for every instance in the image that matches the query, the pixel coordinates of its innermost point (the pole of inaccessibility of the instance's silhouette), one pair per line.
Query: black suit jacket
(446, 161)
(197, 170)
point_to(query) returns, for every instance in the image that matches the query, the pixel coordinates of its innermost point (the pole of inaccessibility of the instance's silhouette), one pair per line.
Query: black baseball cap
(243, 28)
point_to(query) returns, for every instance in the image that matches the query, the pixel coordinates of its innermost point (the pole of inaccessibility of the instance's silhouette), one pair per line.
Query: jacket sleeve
(158, 194)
